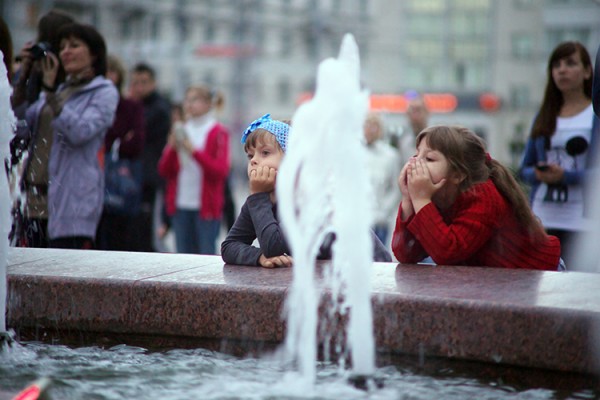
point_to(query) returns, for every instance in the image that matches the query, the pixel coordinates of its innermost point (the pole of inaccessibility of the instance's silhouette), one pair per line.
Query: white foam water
(7, 127)
(322, 187)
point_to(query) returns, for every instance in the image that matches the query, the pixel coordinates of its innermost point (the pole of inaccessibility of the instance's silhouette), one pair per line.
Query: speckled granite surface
(527, 318)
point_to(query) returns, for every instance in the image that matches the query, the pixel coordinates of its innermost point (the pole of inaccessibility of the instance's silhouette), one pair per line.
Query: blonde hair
(114, 64)
(467, 156)
(215, 98)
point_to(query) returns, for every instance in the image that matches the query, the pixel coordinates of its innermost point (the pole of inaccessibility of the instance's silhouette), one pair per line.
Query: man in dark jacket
(157, 116)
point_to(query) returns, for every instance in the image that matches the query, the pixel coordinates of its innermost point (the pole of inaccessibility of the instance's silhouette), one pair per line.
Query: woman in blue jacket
(558, 156)
(63, 176)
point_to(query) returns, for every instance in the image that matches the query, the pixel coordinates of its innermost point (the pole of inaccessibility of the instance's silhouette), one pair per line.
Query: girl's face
(436, 162)
(265, 154)
(75, 56)
(195, 105)
(113, 75)
(371, 131)
(569, 73)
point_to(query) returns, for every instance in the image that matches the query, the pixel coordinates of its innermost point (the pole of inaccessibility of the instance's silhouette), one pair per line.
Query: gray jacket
(76, 179)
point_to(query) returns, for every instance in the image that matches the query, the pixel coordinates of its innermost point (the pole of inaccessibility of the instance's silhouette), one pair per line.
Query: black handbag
(122, 183)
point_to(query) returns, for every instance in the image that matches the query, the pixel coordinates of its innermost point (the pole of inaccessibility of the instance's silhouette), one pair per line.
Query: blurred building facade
(481, 62)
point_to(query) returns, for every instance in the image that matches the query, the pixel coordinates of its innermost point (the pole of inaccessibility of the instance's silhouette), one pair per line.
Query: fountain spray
(7, 127)
(321, 184)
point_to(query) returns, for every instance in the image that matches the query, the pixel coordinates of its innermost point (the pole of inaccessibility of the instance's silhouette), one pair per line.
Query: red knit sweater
(214, 161)
(479, 229)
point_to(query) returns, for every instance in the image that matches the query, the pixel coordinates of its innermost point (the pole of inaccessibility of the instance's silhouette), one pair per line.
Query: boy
(265, 143)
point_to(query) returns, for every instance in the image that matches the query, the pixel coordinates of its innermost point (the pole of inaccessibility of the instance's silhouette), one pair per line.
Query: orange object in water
(33, 391)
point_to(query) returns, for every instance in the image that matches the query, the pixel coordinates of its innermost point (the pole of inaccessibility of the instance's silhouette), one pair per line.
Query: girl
(557, 157)
(265, 143)
(195, 163)
(460, 207)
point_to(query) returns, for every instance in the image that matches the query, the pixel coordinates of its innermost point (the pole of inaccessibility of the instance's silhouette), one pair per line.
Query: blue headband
(281, 130)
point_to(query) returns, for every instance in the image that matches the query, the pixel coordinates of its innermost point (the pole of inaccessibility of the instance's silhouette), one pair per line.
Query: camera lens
(40, 50)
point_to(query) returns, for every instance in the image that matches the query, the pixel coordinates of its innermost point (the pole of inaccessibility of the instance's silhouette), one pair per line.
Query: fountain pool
(129, 372)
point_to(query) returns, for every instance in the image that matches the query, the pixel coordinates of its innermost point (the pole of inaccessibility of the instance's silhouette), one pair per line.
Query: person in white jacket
(383, 164)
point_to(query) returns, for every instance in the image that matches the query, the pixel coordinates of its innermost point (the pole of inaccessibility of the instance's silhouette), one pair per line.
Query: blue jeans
(195, 235)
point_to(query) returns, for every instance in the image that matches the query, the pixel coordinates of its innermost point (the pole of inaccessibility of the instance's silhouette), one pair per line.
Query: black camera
(40, 50)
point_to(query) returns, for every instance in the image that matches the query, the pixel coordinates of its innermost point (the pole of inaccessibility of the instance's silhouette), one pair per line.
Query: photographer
(62, 178)
(27, 88)
(28, 83)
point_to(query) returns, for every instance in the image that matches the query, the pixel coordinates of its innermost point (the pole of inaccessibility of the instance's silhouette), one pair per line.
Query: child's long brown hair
(467, 156)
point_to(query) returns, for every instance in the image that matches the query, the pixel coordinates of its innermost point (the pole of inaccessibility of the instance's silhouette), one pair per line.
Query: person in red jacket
(461, 207)
(195, 163)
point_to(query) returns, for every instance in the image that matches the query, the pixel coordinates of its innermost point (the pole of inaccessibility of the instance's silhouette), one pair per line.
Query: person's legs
(185, 226)
(72, 242)
(35, 232)
(143, 225)
(567, 243)
(209, 230)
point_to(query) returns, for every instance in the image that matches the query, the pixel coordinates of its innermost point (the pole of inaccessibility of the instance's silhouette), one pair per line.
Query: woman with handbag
(63, 179)
(123, 147)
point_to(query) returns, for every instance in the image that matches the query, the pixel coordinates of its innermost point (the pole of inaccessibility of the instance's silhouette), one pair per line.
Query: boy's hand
(262, 179)
(274, 262)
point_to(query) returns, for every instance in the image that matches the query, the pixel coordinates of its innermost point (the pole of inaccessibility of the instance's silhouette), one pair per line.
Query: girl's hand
(420, 185)
(262, 179)
(552, 175)
(186, 144)
(172, 140)
(277, 261)
(407, 207)
(50, 66)
(403, 181)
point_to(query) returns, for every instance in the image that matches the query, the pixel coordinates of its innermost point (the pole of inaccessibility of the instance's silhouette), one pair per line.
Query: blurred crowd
(101, 160)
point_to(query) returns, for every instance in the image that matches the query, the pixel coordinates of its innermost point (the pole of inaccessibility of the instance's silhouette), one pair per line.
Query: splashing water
(7, 127)
(320, 187)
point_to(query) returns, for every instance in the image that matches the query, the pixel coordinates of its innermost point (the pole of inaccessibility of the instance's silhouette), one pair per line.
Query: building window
(429, 6)
(472, 4)
(525, 4)
(556, 36)
(424, 49)
(519, 96)
(469, 24)
(460, 74)
(209, 30)
(468, 50)
(286, 42)
(132, 25)
(522, 46)
(283, 91)
(209, 79)
(425, 25)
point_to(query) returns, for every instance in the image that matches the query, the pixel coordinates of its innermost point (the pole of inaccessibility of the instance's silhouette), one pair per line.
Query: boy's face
(265, 154)
(141, 85)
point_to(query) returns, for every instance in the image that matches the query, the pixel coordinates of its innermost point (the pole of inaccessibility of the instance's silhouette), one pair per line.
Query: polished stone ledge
(535, 319)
